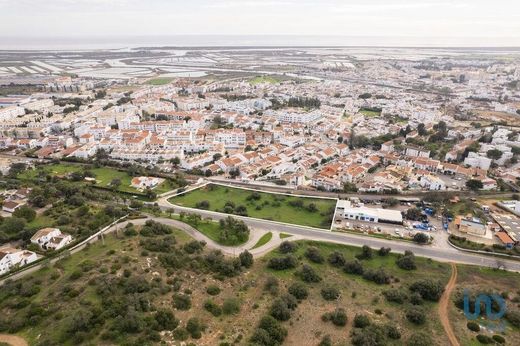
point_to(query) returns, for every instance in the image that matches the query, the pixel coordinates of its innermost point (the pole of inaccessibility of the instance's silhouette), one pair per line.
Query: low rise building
(51, 238)
(346, 210)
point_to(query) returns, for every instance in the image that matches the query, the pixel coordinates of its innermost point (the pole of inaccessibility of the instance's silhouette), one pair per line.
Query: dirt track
(13, 340)
(444, 305)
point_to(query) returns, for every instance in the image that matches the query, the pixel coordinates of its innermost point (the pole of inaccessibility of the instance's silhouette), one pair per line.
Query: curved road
(253, 239)
(443, 255)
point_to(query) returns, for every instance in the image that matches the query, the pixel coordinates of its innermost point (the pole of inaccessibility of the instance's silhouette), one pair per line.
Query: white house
(478, 161)
(10, 257)
(51, 238)
(417, 152)
(143, 183)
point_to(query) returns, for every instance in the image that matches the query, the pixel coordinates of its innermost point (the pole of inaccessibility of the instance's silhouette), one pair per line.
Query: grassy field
(81, 292)
(266, 206)
(160, 81)
(369, 113)
(103, 176)
(266, 238)
(264, 79)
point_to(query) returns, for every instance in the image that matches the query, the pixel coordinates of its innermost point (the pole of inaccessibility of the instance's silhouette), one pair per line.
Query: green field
(264, 79)
(369, 113)
(103, 176)
(160, 81)
(267, 206)
(266, 238)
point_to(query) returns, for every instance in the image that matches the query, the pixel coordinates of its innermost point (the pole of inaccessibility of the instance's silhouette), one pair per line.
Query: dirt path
(13, 340)
(444, 305)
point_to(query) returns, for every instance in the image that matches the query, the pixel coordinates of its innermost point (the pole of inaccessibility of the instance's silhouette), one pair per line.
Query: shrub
(181, 334)
(366, 253)
(421, 238)
(213, 290)
(280, 310)
(313, 254)
(287, 246)
(290, 300)
(336, 259)
(195, 327)
(330, 293)
(325, 341)
(428, 289)
(407, 261)
(499, 339)
(339, 317)
(372, 335)
(361, 321)
(420, 339)
(166, 320)
(272, 285)
(213, 308)
(395, 295)
(246, 259)
(181, 302)
(353, 267)
(231, 306)
(416, 315)
(193, 247)
(392, 332)
(282, 263)
(308, 274)
(202, 205)
(379, 276)
(513, 317)
(416, 299)
(384, 251)
(473, 326)
(298, 290)
(269, 332)
(484, 339)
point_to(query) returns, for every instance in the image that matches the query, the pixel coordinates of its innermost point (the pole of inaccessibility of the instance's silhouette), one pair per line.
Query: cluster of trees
(231, 208)
(299, 102)
(298, 204)
(233, 231)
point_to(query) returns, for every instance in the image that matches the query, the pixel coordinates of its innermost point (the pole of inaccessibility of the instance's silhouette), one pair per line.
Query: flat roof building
(346, 210)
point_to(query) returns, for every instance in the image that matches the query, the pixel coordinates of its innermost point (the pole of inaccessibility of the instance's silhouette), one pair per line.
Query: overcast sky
(389, 18)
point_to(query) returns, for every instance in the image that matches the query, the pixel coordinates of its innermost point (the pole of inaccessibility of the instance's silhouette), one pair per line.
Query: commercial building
(346, 210)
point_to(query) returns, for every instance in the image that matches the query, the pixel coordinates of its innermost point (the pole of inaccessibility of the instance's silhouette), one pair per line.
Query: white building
(10, 257)
(11, 112)
(417, 152)
(143, 183)
(51, 238)
(346, 210)
(294, 116)
(477, 161)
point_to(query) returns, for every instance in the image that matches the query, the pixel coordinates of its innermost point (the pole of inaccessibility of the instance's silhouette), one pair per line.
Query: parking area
(453, 182)
(373, 227)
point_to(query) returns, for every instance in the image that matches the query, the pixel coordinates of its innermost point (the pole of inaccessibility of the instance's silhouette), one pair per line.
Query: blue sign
(488, 303)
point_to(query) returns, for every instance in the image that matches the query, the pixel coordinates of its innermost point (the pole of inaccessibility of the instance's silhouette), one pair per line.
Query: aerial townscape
(253, 196)
(259, 173)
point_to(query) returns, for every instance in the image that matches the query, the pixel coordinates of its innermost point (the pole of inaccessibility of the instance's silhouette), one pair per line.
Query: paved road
(256, 234)
(439, 254)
